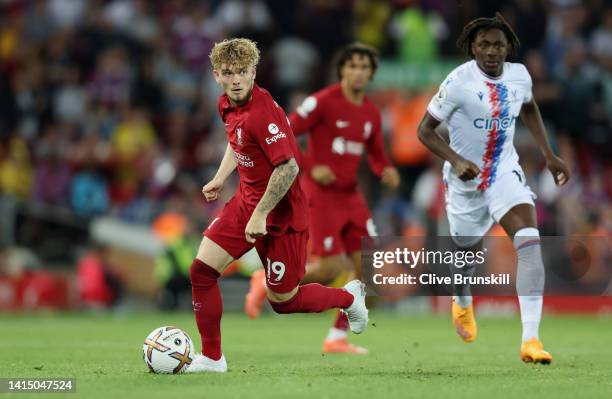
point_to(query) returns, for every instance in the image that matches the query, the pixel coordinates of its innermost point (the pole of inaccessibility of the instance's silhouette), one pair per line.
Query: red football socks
(207, 306)
(341, 322)
(314, 298)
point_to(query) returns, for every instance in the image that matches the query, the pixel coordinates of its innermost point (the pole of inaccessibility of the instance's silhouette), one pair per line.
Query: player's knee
(282, 302)
(202, 275)
(274, 296)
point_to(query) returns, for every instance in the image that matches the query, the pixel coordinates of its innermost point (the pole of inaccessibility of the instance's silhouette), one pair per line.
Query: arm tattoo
(280, 181)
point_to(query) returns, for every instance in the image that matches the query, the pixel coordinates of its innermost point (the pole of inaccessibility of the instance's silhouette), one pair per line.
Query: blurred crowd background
(109, 128)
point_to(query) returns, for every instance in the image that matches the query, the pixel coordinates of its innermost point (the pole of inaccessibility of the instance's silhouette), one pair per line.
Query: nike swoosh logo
(342, 124)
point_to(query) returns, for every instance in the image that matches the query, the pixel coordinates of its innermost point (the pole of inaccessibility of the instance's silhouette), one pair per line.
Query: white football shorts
(472, 212)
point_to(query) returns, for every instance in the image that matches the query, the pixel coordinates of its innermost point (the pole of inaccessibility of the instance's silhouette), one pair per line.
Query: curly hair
(238, 52)
(470, 31)
(347, 52)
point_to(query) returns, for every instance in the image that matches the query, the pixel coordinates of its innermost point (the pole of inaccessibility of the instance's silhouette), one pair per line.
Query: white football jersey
(481, 114)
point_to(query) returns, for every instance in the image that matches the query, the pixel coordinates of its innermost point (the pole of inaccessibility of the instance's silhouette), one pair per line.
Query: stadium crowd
(109, 107)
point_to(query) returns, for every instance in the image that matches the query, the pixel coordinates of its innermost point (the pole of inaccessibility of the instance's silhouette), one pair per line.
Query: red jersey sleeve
(377, 158)
(273, 133)
(307, 115)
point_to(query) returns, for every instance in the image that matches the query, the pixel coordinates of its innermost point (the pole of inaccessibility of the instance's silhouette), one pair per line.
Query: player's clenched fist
(212, 189)
(322, 174)
(256, 227)
(466, 170)
(559, 170)
(390, 177)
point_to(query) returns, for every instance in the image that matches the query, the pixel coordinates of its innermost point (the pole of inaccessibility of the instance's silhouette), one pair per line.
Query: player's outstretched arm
(280, 181)
(212, 189)
(530, 114)
(466, 170)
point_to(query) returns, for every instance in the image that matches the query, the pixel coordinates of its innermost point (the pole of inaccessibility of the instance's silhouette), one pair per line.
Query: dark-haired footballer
(480, 102)
(342, 125)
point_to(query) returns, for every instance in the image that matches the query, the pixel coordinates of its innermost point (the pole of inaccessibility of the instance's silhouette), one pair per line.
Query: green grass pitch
(279, 357)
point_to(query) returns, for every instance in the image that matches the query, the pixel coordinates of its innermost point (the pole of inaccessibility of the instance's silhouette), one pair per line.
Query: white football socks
(336, 334)
(529, 280)
(463, 293)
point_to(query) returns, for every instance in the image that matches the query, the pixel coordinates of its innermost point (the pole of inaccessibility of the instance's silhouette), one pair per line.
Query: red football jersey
(260, 136)
(340, 132)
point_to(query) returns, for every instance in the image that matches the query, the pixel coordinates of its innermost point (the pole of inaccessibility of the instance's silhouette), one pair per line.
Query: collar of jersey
(491, 78)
